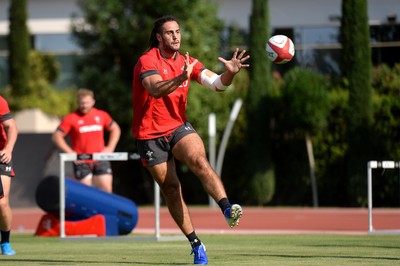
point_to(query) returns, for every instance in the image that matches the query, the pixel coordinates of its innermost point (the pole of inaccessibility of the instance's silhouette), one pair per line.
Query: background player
(8, 137)
(86, 128)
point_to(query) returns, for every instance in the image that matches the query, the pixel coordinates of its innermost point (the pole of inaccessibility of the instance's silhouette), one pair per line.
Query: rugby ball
(280, 49)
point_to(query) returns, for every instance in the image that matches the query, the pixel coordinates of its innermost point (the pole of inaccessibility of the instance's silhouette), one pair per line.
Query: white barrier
(374, 165)
(115, 156)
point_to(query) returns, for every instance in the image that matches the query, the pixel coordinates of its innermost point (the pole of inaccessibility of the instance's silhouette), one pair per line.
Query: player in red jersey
(86, 128)
(8, 137)
(161, 82)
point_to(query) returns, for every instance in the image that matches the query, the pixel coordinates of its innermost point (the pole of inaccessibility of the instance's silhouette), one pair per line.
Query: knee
(171, 189)
(200, 166)
(200, 163)
(3, 203)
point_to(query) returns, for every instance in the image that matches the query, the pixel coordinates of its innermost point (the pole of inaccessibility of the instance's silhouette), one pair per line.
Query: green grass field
(300, 249)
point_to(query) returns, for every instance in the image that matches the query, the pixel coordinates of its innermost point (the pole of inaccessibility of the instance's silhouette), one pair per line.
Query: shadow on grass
(322, 256)
(355, 246)
(74, 262)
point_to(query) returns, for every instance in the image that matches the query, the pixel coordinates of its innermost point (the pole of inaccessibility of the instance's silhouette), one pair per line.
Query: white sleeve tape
(218, 84)
(212, 82)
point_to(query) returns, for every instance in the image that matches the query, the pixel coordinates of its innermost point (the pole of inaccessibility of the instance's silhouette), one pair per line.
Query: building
(312, 24)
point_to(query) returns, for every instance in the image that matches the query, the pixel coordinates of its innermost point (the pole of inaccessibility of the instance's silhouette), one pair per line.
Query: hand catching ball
(280, 49)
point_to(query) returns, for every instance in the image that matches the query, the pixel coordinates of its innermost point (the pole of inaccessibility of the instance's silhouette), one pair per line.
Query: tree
(306, 97)
(31, 73)
(356, 70)
(386, 132)
(44, 70)
(18, 47)
(261, 177)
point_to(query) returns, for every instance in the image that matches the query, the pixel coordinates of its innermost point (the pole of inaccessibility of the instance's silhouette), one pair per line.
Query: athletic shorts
(8, 170)
(95, 168)
(158, 150)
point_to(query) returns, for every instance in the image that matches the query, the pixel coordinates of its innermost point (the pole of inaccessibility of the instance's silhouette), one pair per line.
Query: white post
(370, 227)
(212, 131)
(63, 158)
(227, 132)
(157, 210)
(62, 196)
(311, 162)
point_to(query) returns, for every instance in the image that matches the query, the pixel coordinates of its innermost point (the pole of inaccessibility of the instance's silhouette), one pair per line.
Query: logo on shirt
(91, 128)
(165, 71)
(97, 119)
(184, 84)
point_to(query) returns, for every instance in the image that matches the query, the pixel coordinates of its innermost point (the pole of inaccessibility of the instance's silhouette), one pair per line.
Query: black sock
(224, 204)
(193, 239)
(5, 236)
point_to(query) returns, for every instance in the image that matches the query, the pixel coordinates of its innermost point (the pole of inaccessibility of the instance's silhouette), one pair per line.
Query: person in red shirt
(161, 80)
(8, 138)
(85, 128)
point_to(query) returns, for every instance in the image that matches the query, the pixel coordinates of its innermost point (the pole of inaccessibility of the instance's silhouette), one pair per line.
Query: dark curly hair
(153, 42)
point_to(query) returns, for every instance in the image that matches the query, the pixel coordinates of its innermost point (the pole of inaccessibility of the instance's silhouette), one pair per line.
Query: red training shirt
(5, 114)
(153, 118)
(86, 130)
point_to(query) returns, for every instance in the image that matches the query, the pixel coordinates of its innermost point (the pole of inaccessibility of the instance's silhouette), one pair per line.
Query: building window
(55, 43)
(3, 43)
(385, 43)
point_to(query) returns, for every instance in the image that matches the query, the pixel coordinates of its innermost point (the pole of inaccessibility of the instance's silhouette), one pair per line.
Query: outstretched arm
(220, 82)
(157, 87)
(233, 66)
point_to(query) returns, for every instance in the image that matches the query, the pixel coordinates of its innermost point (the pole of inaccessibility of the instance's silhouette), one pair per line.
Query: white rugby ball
(280, 49)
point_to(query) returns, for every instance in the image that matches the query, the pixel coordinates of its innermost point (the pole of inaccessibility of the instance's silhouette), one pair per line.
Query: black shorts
(5, 169)
(158, 150)
(95, 168)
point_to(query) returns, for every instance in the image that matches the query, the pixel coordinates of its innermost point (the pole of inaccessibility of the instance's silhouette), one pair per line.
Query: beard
(170, 48)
